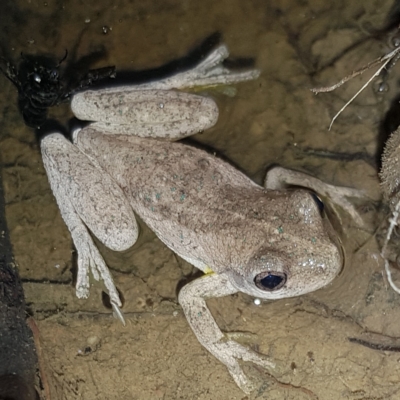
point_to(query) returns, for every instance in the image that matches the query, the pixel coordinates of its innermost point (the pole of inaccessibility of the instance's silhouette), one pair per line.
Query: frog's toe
(245, 354)
(118, 313)
(245, 384)
(89, 258)
(82, 290)
(217, 56)
(82, 280)
(230, 352)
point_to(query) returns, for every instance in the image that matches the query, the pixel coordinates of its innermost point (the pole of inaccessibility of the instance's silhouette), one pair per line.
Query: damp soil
(340, 342)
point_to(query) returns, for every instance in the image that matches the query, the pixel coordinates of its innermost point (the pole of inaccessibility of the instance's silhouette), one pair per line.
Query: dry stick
(356, 73)
(325, 89)
(389, 276)
(362, 88)
(393, 223)
(386, 59)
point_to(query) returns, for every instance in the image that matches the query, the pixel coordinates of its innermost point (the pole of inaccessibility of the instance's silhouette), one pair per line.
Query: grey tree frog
(268, 242)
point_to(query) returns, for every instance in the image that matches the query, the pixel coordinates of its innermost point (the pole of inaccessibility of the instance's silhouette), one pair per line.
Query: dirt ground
(274, 120)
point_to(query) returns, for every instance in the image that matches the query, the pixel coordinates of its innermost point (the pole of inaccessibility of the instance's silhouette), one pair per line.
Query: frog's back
(198, 205)
(154, 172)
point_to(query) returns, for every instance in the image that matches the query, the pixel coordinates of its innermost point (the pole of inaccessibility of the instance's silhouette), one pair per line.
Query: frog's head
(300, 255)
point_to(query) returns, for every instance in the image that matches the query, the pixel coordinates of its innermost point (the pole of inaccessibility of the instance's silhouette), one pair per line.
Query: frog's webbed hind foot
(230, 352)
(282, 178)
(209, 72)
(89, 257)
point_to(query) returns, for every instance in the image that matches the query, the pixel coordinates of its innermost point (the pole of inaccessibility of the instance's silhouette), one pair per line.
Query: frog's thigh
(163, 114)
(95, 197)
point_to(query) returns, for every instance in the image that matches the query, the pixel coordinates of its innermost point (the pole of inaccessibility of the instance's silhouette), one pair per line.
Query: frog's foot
(209, 72)
(230, 352)
(281, 178)
(192, 299)
(89, 257)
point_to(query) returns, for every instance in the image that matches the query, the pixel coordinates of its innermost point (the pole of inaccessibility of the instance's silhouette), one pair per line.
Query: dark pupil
(271, 281)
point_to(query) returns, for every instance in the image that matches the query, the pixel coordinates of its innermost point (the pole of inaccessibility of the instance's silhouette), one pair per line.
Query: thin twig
(362, 88)
(371, 64)
(386, 59)
(331, 88)
(389, 277)
(393, 223)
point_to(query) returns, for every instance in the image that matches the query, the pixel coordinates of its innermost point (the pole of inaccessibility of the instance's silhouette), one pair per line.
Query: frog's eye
(270, 280)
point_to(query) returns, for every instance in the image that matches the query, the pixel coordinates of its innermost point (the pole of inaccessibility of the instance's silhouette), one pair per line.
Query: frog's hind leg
(88, 197)
(165, 114)
(192, 298)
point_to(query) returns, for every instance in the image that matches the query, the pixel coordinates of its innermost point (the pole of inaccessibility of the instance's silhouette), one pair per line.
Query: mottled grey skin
(207, 211)
(201, 207)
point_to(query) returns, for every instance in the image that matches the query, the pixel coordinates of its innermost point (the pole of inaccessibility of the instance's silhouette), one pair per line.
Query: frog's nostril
(270, 281)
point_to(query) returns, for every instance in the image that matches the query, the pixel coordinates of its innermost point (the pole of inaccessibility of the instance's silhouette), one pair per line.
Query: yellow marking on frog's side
(208, 271)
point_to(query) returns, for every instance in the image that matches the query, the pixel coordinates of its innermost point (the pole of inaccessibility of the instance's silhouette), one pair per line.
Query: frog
(269, 242)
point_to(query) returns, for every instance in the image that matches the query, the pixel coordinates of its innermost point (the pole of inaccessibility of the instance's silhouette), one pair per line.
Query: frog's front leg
(88, 197)
(282, 178)
(192, 299)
